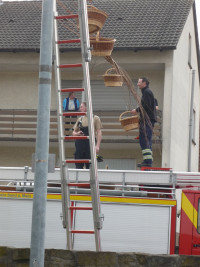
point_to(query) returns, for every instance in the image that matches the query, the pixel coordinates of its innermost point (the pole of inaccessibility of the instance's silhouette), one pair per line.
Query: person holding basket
(147, 111)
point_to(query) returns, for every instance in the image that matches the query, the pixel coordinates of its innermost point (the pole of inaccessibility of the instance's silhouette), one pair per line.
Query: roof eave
(160, 48)
(16, 50)
(37, 50)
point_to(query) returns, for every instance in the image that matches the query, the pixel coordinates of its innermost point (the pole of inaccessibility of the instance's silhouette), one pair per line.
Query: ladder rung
(82, 231)
(68, 41)
(78, 161)
(80, 184)
(64, 90)
(73, 16)
(73, 114)
(80, 208)
(75, 137)
(65, 66)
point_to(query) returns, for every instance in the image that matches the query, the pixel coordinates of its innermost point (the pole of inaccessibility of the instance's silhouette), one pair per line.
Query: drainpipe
(191, 122)
(42, 138)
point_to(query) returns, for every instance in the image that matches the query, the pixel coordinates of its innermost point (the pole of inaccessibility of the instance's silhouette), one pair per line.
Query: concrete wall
(62, 258)
(20, 153)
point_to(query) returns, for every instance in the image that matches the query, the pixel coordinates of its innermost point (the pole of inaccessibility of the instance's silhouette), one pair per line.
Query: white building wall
(181, 98)
(167, 111)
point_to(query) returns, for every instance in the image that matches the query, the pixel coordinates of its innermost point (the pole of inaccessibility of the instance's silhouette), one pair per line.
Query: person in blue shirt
(70, 104)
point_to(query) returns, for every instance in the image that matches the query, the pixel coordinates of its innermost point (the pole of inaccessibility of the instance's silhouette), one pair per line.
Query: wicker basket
(129, 123)
(96, 19)
(101, 46)
(111, 78)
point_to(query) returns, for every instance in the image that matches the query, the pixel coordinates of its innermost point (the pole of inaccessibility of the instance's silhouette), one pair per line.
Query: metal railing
(124, 183)
(21, 124)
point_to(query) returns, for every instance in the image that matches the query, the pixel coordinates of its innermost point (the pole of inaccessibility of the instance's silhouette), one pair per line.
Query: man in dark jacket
(147, 112)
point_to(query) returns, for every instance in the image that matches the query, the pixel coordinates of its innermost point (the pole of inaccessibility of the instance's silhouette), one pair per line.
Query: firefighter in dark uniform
(82, 146)
(146, 122)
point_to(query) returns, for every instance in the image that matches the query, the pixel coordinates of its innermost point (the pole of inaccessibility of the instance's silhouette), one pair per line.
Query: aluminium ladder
(67, 208)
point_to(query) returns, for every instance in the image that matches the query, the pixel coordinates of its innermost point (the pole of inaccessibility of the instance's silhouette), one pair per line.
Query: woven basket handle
(125, 112)
(97, 36)
(108, 70)
(91, 7)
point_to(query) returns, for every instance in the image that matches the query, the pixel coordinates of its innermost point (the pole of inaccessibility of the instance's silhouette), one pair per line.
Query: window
(105, 98)
(111, 98)
(190, 52)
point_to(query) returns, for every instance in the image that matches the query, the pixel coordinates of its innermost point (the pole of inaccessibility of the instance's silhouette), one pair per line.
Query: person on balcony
(70, 104)
(80, 128)
(147, 110)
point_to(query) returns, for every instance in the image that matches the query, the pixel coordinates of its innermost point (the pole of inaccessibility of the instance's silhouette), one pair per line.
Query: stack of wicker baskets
(101, 46)
(96, 19)
(111, 78)
(128, 123)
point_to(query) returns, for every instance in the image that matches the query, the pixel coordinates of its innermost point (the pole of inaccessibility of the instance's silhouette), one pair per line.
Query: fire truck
(154, 211)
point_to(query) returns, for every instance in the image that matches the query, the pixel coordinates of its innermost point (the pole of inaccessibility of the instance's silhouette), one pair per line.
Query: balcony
(21, 125)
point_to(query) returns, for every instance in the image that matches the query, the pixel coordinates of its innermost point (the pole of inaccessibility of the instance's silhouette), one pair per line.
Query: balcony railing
(21, 124)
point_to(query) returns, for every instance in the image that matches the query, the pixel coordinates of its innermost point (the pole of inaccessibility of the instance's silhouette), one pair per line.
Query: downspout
(191, 122)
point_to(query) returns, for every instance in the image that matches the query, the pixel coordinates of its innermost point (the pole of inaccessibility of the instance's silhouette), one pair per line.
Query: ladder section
(65, 179)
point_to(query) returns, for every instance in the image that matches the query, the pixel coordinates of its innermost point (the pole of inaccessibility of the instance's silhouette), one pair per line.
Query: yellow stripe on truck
(189, 210)
(147, 201)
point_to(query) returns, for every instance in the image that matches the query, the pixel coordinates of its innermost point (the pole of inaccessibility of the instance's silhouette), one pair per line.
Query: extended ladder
(65, 179)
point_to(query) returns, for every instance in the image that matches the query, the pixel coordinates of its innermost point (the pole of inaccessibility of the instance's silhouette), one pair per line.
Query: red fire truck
(154, 211)
(189, 240)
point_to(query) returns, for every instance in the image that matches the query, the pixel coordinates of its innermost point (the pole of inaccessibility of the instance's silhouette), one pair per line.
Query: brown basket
(129, 123)
(101, 46)
(112, 79)
(96, 19)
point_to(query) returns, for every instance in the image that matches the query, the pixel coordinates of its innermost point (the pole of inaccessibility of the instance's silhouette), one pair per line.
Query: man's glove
(99, 158)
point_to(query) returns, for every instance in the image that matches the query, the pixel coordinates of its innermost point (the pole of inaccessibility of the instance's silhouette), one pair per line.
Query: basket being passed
(129, 122)
(111, 78)
(101, 46)
(96, 18)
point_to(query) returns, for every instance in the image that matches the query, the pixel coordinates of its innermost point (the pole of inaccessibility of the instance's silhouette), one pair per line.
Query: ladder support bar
(68, 41)
(79, 184)
(65, 90)
(66, 114)
(73, 16)
(76, 137)
(82, 231)
(78, 161)
(66, 66)
(80, 208)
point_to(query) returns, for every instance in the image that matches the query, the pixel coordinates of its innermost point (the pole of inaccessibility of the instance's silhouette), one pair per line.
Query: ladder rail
(63, 167)
(86, 57)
